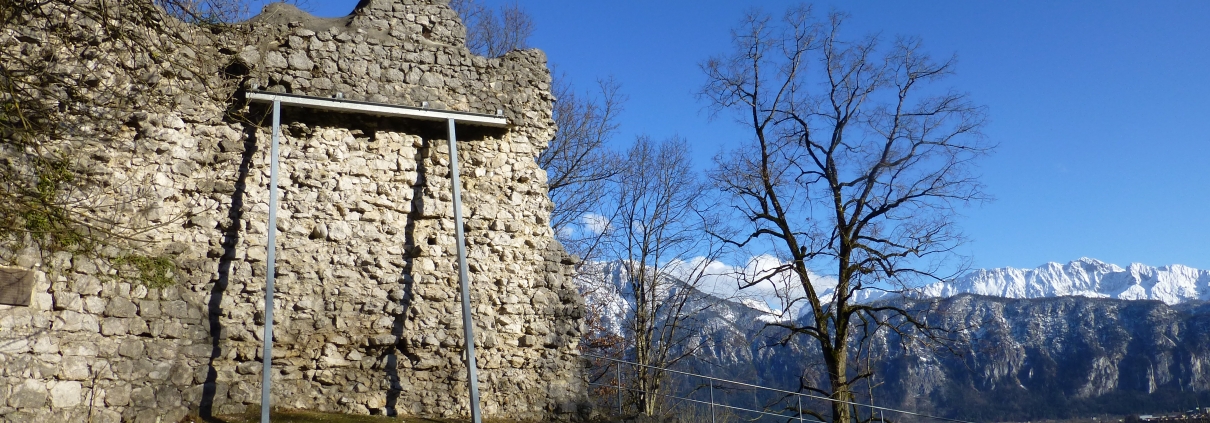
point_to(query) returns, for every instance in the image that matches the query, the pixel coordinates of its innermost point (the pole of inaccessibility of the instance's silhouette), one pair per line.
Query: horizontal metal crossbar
(380, 109)
(715, 404)
(798, 394)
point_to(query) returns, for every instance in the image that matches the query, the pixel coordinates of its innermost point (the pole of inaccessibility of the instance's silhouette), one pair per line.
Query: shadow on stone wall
(231, 239)
(389, 351)
(408, 282)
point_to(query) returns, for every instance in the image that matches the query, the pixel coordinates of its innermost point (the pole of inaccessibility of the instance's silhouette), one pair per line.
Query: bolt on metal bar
(464, 279)
(270, 257)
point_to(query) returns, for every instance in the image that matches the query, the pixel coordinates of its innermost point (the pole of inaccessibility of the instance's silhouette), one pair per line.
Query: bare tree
(579, 164)
(491, 33)
(856, 165)
(658, 238)
(578, 161)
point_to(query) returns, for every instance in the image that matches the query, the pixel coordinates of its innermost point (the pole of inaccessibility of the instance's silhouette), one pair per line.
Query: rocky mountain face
(1047, 355)
(1027, 359)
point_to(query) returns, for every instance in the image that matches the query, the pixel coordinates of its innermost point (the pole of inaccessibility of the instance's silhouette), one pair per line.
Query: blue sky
(1101, 110)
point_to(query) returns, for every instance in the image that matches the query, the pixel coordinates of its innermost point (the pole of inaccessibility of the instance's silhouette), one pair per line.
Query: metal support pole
(270, 258)
(799, 407)
(463, 279)
(712, 400)
(618, 377)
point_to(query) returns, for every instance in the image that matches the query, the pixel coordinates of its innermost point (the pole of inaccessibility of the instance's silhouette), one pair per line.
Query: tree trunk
(841, 393)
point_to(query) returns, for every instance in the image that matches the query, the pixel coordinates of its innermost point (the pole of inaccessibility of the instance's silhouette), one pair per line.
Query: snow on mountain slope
(1083, 277)
(609, 297)
(605, 289)
(606, 294)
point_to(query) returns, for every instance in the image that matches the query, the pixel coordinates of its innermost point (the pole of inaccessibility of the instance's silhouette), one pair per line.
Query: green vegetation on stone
(154, 272)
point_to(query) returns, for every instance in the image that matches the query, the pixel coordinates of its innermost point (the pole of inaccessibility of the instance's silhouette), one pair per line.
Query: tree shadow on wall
(403, 294)
(231, 239)
(390, 357)
(432, 134)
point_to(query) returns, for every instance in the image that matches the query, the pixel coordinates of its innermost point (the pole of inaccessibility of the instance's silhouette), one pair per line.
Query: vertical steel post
(270, 258)
(463, 279)
(799, 407)
(711, 400)
(618, 378)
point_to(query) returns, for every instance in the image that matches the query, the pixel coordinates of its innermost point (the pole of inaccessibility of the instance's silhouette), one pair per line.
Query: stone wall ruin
(367, 315)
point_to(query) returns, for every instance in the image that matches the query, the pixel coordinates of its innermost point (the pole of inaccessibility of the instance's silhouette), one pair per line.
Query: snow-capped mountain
(1052, 342)
(1085, 277)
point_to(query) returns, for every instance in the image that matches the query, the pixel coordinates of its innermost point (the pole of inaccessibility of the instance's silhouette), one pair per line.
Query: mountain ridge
(1086, 338)
(1087, 277)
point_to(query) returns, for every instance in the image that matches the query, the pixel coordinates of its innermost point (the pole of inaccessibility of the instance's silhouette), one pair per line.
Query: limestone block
(120, 307)
(143, 397)
(169, 397)
(274, 59)
(75, 322)
(30, 393)
(114, 326)
(74, 368)
(86, 285)
(175, 309)
(106, 416)
(338, 231)
(117, 395)
(14, 346)
(137, 326)
(84, 265)
(41, 301)
(149, 308)
(131, 347)
(46, 345)
(527, 341)
(65, 394)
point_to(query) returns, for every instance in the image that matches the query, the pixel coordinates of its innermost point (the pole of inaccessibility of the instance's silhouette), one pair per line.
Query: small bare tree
(856, 165)
(491, 33)
(659, 239)
(578, 162)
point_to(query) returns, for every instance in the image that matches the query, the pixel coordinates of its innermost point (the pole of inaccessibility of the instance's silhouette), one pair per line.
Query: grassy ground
(301, 416)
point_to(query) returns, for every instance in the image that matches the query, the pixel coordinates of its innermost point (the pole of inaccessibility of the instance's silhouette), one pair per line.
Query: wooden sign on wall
(16, 286)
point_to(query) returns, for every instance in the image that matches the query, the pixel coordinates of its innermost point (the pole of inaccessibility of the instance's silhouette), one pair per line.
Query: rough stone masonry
(367, 315)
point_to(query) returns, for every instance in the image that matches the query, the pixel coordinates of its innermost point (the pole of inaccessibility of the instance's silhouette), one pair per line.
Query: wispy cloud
(594, 223)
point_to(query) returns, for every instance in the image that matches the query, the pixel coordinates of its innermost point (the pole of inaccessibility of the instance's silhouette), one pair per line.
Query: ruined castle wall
(367, 314)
